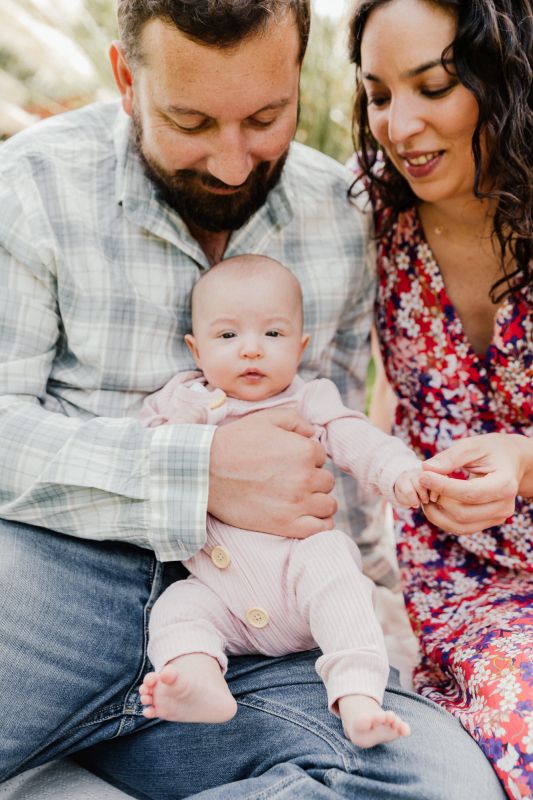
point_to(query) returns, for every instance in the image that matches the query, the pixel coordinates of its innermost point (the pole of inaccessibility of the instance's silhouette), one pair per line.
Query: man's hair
(219, 23)
(492, 56)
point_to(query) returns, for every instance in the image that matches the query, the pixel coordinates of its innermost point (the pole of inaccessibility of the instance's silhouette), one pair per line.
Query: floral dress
(469, 598)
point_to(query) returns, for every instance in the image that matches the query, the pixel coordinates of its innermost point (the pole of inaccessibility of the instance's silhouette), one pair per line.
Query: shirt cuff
(178, 490)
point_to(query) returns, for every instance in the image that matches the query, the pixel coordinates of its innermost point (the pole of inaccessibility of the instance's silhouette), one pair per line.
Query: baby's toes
(397, 724)
(403, 728)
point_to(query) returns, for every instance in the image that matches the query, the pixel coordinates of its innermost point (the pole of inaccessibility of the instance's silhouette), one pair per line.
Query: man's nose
(230, 161)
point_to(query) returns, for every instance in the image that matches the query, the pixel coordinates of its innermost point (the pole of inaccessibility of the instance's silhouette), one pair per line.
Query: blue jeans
(73, 631)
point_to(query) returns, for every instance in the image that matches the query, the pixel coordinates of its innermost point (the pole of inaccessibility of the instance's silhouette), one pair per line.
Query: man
(107, 220)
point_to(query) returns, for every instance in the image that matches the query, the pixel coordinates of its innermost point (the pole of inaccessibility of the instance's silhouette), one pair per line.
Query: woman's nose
(404, 121)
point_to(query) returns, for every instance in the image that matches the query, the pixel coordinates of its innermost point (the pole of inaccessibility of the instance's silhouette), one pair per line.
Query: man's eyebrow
(196, 113)
(412, 73)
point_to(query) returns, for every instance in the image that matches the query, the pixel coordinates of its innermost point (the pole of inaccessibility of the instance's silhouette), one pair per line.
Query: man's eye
(192, 128)
(262, 123)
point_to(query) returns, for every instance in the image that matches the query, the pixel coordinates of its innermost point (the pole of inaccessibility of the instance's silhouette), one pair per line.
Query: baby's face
(248, 334)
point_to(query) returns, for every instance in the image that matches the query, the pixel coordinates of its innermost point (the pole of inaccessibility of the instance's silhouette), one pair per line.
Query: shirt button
(221, 399)
(220, 557)
(257, 617)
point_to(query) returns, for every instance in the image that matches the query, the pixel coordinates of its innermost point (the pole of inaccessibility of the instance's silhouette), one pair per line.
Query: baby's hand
(408, 491)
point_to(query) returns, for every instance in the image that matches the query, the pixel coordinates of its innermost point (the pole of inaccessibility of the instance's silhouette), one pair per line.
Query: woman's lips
(419, 164)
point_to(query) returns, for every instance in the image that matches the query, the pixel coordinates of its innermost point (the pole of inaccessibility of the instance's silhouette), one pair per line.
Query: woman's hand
(500, 466)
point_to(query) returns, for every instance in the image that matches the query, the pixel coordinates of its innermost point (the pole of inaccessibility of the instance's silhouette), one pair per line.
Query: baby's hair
(249, 265)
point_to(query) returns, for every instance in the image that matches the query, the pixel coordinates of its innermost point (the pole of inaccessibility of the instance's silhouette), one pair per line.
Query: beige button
(257, 617)
(220, 557)
(219, 401)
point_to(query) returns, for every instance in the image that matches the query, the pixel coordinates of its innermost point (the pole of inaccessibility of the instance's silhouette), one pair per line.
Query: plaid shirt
(96, 276)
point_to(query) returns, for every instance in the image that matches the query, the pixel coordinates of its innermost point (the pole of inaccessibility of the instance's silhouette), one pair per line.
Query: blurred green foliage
(327, 90)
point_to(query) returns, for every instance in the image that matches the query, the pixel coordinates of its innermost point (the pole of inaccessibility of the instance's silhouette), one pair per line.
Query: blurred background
(53, 57)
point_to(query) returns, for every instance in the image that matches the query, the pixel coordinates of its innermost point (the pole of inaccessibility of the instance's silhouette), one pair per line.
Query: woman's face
(420, 114)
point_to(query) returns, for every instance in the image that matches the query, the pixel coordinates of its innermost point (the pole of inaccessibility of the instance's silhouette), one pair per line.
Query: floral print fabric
(469, 598)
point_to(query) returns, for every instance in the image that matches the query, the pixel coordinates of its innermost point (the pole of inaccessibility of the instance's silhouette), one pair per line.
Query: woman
(444, 124)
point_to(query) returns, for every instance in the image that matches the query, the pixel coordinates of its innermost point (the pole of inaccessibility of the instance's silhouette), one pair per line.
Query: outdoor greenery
(53, 56)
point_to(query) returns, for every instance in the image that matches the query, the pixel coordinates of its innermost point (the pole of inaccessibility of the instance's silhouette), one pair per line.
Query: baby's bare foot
(189, 689)
(366, 724)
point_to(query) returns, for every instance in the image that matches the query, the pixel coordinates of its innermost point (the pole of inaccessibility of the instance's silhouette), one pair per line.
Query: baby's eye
(228, 335)
(273, 333)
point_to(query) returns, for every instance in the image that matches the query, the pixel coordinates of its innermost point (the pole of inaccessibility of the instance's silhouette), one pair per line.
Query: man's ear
(190, 341)
(123, 76)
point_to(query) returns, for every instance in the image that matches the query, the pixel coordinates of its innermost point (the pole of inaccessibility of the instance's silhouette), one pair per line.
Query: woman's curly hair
(492, 55)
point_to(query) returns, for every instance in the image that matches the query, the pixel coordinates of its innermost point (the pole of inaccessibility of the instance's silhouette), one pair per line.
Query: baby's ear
(190, 341)
(305, 341)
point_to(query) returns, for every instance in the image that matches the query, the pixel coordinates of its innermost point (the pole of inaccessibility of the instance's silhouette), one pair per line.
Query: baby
(253, 592)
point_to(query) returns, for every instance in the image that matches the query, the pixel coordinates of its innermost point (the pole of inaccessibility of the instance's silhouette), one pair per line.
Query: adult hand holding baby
(502, 466)
(265, 474)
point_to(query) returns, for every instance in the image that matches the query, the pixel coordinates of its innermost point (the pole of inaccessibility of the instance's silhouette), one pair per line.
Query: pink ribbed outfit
(252, 592)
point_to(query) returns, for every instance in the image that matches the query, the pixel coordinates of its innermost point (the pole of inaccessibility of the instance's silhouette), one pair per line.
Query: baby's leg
(189, 625)
(190, 688)
(366, 724)
(335, 599)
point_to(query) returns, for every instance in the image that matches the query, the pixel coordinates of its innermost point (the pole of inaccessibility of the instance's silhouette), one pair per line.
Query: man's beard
(187, 192)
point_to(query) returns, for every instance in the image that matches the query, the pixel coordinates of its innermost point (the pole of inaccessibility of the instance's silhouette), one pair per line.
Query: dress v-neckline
(430, 267)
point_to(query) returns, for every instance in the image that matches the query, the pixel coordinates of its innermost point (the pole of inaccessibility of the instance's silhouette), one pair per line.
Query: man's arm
(113, 478)
(96, 478)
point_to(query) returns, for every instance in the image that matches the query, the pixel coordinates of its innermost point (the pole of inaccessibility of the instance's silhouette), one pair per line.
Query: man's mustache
(209, 181)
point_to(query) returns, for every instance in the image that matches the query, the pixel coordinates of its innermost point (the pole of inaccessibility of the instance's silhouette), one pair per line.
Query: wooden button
(257, 617)
(220, 557)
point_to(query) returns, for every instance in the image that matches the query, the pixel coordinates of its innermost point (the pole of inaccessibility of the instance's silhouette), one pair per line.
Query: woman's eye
(377, 101)
(439, 92)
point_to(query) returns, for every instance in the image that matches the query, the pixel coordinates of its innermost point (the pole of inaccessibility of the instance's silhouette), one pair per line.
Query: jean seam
(129, 707)
(20, 767)
(339, 744)
(264, 794)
